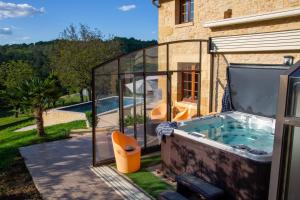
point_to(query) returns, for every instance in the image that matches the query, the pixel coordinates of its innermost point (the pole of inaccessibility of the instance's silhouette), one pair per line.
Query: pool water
(234, 132)
(103, 105)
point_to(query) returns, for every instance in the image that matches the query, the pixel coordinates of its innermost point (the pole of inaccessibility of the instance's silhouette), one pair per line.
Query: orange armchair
(181, 116)
(159, 112)
(127, 161)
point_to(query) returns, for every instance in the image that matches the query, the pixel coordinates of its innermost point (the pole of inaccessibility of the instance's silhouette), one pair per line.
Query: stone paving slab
(121, 185)
(61, 170)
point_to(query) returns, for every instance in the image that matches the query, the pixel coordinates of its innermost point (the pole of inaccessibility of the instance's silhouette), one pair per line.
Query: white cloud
(6, 31)
(12, 10)
(126, 8)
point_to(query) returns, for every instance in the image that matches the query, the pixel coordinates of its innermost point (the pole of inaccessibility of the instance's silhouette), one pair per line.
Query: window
(186, 11)
(190, 86)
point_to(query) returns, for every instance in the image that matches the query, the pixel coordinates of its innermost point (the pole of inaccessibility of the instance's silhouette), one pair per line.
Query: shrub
(89, 116)
(129, 120)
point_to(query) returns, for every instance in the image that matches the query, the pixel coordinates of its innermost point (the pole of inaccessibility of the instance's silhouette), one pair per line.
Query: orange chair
(127, 161)
(159, 112)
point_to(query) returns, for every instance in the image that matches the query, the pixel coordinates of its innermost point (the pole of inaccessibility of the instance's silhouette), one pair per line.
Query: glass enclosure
(135, 92)
(285, 176)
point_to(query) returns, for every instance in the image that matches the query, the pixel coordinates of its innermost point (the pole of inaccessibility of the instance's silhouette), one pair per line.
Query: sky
(27, 21)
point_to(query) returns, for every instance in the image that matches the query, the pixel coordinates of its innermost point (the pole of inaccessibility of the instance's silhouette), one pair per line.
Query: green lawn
(7, 118)
(15, 180)
(150, 183)
(70, 100)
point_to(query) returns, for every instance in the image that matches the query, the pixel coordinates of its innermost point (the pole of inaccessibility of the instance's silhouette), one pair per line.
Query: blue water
(233, 133)
(103, 105)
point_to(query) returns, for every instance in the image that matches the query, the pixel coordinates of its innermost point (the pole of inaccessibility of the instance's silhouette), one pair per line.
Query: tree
(13, 74)
(78, 51)
(131, 44)
(37, 94)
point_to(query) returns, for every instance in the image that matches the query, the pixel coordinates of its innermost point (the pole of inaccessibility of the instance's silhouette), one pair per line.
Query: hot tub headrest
(254, 88)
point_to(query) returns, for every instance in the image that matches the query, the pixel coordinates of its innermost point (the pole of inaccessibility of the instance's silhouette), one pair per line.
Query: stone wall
(209, 10)
(241, 178)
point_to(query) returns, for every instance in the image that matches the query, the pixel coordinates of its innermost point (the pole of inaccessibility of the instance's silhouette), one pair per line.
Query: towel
(226, 100)
(165, 128)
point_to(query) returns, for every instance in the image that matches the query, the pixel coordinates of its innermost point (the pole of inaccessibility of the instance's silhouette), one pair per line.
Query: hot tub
(232, 150)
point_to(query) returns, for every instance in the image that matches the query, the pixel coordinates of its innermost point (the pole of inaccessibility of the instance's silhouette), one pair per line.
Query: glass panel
(184, 58)
(183, 11)
(133, 106)
(294, 173)
(107, 109)
(132, 62)
(294, 100)
(151, 59)
(109, 68)
(156, 105)
(192, 11)
(140, 110)
(129, 87)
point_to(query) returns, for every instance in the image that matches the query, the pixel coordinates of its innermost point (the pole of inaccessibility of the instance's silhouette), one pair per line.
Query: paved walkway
(61, 170)
(120, 184)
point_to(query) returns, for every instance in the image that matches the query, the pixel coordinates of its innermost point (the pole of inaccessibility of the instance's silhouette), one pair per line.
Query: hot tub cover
(254, 88)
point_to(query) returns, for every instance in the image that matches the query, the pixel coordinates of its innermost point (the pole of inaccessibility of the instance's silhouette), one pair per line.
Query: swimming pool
(103, 105)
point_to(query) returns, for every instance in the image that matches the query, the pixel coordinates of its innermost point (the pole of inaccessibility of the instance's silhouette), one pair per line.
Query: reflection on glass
(132, 62)
(294, 174)
(156, 105)
(107, 113)
(294, 104)
(133, 107)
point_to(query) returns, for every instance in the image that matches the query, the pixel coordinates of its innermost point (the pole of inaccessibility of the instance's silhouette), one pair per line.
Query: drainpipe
(156, 3)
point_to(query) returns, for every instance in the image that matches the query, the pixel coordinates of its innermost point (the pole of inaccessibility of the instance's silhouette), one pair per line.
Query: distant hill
(36, 53)
(132, 44)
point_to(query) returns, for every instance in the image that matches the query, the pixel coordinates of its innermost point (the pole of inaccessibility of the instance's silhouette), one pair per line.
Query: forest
(36, 77)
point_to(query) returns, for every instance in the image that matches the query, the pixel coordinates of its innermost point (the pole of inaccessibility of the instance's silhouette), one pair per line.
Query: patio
(61, 170)
(182, 78)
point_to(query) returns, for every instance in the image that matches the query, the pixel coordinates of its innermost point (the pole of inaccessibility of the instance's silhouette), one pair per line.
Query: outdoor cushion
(197, 185)
(129, 148)
(171, 195)
(181, 116)
(159, 112)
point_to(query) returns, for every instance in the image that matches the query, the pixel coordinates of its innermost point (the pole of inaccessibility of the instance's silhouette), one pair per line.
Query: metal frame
(282, 143)
(168, 73)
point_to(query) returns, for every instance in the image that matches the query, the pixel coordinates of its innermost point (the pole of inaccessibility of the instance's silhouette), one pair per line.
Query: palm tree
(37, 94)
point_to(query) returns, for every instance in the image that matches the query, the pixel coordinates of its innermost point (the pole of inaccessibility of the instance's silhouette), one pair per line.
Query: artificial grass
(15, 180)
(146, 180)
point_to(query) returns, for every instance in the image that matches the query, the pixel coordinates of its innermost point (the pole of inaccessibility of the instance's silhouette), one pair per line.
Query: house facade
(261, 32)
(185, 76)
(250, 31)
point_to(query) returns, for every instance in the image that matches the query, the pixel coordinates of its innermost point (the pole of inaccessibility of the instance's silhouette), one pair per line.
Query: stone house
(248, 31)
